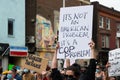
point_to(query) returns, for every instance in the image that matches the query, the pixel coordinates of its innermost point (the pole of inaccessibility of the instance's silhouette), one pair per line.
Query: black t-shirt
(56, 75)
(90, 72)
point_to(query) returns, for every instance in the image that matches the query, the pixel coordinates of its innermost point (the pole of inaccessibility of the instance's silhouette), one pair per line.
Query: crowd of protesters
(72, 72)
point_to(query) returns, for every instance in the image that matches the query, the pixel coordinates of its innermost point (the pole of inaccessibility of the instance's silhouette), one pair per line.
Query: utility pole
(63, 3)
(83, 1)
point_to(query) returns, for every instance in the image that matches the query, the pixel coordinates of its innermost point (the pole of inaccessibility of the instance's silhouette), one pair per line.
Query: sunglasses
(97, 68)
(70, 76)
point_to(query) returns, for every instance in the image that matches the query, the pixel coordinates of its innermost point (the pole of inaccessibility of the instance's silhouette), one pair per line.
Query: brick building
(106, 24)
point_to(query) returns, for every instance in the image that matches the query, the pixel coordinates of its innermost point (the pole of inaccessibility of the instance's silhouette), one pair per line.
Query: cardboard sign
(75, 32)
(35, 63)
(114, 60)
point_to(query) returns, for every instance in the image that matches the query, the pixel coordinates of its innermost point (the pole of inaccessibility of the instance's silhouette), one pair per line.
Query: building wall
(30, 17)
(114, 16)
(113, 27)
(111, 32)
(14, 9)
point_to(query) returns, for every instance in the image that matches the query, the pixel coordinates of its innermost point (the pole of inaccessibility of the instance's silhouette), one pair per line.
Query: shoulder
(18, 77)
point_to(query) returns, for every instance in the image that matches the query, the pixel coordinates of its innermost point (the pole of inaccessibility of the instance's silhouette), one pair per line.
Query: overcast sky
(110, 3)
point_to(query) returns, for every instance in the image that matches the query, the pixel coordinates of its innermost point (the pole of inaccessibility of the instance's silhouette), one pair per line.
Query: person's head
(98, 69)
(72, 73)
(77, 66)
(10, 75)
(112, 78)
(26, 70)
(48, 76)
(83, 69)
(14, 70)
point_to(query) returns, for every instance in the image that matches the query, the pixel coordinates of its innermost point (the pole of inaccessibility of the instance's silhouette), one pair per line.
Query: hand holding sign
(92, 45)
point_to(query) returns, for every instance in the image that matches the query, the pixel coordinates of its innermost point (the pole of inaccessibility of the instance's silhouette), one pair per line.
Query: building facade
(12, 25)
(105, 28)
(42, 22)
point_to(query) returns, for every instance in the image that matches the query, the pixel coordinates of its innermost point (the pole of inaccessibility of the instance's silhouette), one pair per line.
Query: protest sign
(114, 60)
(75, 32)
(35, 63)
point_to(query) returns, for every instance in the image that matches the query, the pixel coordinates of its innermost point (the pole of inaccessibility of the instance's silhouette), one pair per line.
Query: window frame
(105, 41)
(108, 23)
(101, 22)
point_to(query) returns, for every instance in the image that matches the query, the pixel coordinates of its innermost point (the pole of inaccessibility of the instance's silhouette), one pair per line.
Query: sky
(110, 3)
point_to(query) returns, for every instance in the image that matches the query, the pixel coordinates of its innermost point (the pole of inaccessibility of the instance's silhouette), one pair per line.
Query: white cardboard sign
(114, 60)
(75, 32)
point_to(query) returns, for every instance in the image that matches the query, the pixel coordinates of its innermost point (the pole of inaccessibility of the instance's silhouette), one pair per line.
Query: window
(101, 22)
(117, 43)
(105, 41)
(11, 27)
(108, 23)
(118, 28)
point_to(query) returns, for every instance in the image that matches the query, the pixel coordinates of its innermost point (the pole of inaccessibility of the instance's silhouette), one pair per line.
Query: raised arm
(92, 65)
(54, 61)
(93, 50)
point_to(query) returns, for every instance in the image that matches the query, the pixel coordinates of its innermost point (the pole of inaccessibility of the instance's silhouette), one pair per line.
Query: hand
(92, 45)
(44, 72)
(107, 65)
(57, 46)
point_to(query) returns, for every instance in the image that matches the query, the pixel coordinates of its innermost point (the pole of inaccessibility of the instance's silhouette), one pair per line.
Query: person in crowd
(27, 75)
(1, 69)
(4, 75)
(106, 72)
(15, 74)
(99, 75)
(10, 75)
(73, 72)
(112, 78)
(48, 75)
(89, 71)
(37, 76)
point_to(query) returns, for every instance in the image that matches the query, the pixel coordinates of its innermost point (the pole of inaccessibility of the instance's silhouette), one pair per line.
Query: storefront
(16, 55)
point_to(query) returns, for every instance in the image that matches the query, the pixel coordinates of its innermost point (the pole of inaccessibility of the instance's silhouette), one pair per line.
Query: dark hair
(14, 70)
(75, 69)
(77, 66)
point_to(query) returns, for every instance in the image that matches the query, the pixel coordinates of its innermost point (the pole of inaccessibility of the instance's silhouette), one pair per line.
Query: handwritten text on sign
(35, 63)
(114, 60)
(75, 31)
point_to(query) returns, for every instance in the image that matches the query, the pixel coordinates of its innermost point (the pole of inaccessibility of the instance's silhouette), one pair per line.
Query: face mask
(9, 76)
(97, 70)
(25, 70)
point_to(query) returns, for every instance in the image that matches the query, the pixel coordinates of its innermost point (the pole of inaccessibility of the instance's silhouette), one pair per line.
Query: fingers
(57, 45)
(91, 44)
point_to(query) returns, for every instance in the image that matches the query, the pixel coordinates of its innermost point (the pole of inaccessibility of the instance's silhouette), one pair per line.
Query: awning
(4, 49)
(18, 51)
